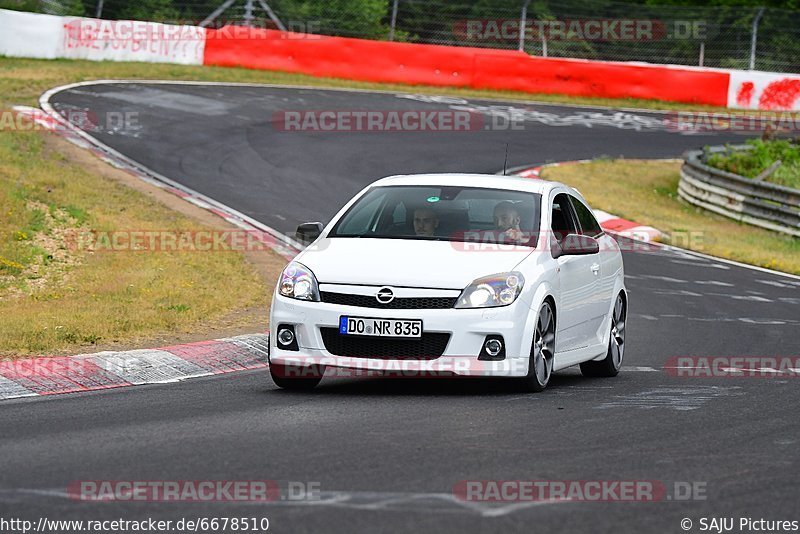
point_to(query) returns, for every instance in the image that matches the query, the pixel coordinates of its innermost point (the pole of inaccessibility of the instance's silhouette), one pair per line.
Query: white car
(455, 275)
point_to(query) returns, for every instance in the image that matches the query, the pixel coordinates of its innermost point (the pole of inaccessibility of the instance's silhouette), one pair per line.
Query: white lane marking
(702, 264)
(751, 298)
(713, 283)
(757, 320)
(641, 369)
(648, 317)
(760, 321)
(673, 398)
(790, 300)
(664, 278)
(680, 293)
(789, 284)
(567, 391)
(748, 370)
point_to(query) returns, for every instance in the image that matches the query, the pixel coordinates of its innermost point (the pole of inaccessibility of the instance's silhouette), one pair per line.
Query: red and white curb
(105, 370)
(50, 120)
(610, 223)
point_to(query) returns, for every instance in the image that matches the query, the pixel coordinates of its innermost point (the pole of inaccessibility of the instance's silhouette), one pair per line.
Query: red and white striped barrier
(105, 370)
(47, 36)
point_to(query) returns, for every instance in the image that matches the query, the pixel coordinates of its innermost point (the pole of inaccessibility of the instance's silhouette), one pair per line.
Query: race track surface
(387, 454)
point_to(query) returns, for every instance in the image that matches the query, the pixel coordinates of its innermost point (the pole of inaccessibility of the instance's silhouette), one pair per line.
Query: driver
(425, 222)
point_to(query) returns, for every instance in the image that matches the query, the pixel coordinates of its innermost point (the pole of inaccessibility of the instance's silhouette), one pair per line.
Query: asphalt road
(387, 454)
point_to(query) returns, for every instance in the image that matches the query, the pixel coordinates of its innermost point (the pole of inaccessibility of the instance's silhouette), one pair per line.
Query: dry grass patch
(55, 297)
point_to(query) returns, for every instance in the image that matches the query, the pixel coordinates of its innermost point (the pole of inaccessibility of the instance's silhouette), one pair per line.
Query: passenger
(425, 222)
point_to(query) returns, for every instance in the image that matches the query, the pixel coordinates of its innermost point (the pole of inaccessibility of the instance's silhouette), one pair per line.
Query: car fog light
(493, 347)
(285, 336)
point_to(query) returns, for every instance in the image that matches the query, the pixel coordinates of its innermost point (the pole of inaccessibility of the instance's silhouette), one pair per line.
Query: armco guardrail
(767, 205)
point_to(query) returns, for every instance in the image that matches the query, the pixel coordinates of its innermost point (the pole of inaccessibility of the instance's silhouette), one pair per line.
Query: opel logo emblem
(385, 295)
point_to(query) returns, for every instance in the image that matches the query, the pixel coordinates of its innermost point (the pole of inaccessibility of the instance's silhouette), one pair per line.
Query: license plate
(366, 326)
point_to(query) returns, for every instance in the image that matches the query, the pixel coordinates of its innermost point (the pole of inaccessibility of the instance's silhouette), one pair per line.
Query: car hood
(405, 262)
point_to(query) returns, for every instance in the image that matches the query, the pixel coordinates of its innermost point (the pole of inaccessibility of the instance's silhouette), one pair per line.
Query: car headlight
(491, 291)
(298, 282)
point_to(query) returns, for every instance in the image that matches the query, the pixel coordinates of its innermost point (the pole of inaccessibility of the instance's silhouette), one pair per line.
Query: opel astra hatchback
(452, 275)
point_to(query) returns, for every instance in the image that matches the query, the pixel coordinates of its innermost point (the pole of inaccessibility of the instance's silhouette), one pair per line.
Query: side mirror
(308, 232)
(579, 245)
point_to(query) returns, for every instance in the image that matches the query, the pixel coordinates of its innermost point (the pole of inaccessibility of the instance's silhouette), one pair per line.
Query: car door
(577, 275)
(600, 301)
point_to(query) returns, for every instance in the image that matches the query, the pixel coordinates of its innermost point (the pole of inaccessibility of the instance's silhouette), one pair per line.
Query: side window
(399, 213)
(563, 221)
(589, 225)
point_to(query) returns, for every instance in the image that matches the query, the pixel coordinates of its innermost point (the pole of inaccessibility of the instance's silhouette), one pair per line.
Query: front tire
(295, 377)
(540, 363)
(611, 364)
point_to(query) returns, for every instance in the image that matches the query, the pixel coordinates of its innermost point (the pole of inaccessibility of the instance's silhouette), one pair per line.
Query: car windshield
(443, 213)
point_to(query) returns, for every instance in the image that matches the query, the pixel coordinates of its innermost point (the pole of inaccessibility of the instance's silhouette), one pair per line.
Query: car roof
(492, 181)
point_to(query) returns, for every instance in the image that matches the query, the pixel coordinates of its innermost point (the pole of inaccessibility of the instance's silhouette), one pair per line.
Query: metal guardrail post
(522, 20)
(754, 38)
(393, 23)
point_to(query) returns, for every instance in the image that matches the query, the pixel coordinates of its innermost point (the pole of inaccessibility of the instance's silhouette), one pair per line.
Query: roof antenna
(505, 162)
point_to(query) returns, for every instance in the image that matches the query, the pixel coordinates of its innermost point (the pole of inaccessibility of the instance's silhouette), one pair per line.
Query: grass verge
(646, 192)
(55, 297)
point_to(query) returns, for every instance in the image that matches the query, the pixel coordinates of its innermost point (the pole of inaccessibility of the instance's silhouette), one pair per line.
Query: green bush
(751, 163)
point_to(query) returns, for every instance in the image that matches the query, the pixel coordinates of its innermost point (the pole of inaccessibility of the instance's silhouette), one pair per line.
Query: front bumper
(467, 329)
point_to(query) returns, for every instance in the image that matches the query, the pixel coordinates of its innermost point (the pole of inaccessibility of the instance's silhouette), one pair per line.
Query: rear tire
(611, 364)
(540, 363)
(295, 377)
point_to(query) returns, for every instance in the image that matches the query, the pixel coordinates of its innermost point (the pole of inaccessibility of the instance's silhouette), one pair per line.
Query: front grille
(369, 301)
(429, 347)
